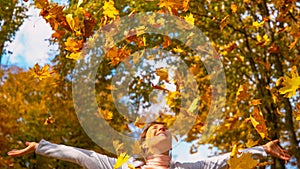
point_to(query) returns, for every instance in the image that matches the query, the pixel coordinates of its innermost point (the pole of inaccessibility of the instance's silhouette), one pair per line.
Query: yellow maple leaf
(109, 9)
(190, 19)
(106, 114)
(123, 158)
(245, 161)
(178, 49)
(41, 73)
(73, 45)
(74, 55)
(258, 24)
(290, 84)
(259, 123)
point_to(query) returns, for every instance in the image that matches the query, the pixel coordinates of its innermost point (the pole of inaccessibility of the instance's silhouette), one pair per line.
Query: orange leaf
(234, 8)
(255, 102)
(242, 94)
(259, 123)
(140, 122)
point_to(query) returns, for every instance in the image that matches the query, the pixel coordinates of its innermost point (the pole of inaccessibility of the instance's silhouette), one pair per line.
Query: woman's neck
(158, 161)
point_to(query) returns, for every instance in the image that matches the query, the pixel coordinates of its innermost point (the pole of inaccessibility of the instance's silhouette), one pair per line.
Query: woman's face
(158, 139)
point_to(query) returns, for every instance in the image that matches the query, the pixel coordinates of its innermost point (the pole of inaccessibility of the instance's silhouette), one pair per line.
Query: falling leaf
(190, 19)
(292, 45)
(74, 55)
(251, 143)
(185, 5)
(49, 120)
(73, 45)
(223, 22)
(274, 48)
(111, 87)
(245, 161)
(41, 73)
(136, 148)
(234, 151)
(173, 4)
(193, 106)
(290, 84)
(193, 149)
(41, 4)
(109, 9)
(259, 123)
(242, 94)
(230, 47)
(118, 146)
(70, 20)
(234, 8)
(123, 158)
(255, 102)
(106, 114)
(178, 49)
(262, 41)
(167, 42)
(297, 114)
(162, 73)
(140, 122)
(279, 112)
(258, 24)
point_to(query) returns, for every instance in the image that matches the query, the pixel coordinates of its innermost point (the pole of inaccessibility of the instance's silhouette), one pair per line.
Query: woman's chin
(159, 144)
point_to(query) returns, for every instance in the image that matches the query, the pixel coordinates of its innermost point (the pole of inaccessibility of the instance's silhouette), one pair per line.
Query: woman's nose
(161, 129)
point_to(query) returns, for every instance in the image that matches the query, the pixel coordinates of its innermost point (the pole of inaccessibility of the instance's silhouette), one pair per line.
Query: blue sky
(30, 44)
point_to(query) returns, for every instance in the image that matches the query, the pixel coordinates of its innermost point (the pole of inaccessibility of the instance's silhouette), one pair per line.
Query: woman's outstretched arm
(86, 158)
(219, 162)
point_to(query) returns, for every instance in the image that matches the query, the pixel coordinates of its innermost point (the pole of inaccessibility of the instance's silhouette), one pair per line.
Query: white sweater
(91, 160)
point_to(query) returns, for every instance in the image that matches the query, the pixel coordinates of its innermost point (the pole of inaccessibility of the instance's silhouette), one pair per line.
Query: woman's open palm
(31, 146)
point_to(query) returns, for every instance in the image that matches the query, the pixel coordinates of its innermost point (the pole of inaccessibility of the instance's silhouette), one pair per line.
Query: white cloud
(31, 44)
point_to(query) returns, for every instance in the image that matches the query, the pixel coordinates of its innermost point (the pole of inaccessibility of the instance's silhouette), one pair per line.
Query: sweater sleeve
(220, 161)
(85, 158)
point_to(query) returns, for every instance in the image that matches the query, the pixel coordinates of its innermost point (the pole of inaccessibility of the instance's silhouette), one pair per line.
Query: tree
(12, 16)
(32, 110)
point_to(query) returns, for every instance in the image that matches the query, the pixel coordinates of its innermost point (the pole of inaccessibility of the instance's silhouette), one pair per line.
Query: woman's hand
(273, 149)
(31, 146)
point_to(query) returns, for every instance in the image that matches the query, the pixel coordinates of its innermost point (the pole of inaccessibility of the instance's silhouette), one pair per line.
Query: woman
(156, 145)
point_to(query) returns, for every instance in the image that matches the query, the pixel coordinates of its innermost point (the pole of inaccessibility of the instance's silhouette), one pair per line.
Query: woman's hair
(143, 134)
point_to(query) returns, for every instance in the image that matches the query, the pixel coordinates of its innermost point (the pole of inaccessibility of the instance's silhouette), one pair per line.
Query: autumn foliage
(257, 43)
